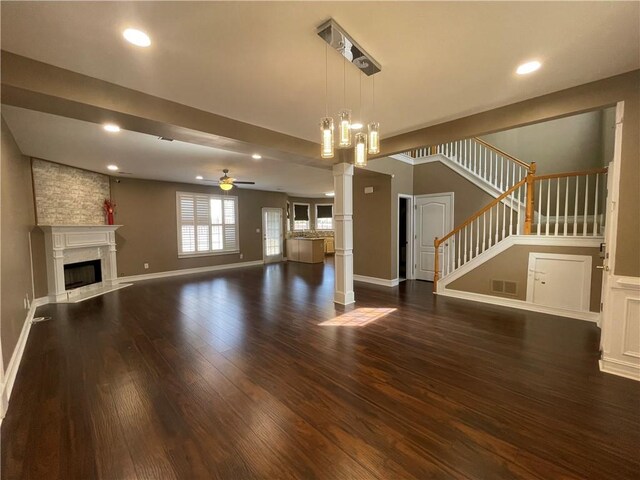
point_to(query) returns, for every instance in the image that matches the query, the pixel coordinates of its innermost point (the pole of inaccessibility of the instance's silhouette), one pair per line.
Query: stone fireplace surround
(67, 244)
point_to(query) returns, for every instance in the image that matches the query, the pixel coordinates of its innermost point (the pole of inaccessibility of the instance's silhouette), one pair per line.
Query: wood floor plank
(230, 376)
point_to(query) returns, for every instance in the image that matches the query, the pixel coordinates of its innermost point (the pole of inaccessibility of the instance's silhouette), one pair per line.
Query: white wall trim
(187, 271)
(520, 304)
(16, 359)
(534, 240)
(403, 157)
(376, 281)
(620, 368)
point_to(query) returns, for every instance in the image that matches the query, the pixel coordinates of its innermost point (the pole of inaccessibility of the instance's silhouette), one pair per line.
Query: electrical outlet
(146, 266)
(241, 256)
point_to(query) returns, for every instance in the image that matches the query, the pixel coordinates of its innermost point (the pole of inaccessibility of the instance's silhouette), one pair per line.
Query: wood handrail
(503, 153)
(594, 171)
(438, 241)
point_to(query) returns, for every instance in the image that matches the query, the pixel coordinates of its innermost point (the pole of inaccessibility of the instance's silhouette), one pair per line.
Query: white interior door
(558, 280)
(272, 235)
(433, 219)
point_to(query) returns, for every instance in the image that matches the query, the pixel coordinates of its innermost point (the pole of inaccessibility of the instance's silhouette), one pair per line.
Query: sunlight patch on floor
(358, 317)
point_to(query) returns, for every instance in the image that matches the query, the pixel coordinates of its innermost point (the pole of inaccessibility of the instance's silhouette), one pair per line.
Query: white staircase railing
(564, 204)
(489, 163)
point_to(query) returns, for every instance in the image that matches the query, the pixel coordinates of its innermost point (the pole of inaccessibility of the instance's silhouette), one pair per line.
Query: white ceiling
(262, 62)
(86, 145)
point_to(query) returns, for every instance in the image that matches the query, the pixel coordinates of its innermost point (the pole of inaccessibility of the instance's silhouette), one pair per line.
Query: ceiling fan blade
(244, 183)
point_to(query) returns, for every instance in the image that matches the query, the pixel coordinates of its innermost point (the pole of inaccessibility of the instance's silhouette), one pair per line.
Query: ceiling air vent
(166, 139)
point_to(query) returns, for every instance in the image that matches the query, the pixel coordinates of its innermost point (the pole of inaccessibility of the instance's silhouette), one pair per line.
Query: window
(207, 224)
(301, 216)
(324, 217)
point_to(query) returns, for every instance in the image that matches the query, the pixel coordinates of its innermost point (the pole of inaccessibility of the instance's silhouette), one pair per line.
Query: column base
(343, 298)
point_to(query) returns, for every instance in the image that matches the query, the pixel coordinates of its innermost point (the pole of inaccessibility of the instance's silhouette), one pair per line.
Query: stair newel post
(528, 220)
(436, 266)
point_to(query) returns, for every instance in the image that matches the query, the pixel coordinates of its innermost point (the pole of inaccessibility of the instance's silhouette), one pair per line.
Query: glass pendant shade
(226, 186)
(361, 150)
(344, 128)
(374, 138)
(326, 127)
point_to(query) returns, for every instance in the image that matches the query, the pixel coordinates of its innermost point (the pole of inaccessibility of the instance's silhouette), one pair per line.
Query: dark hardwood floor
(230, 376)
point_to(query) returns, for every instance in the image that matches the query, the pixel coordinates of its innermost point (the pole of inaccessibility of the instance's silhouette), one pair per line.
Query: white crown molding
(187, 271)
(376, 281)
(520, 304)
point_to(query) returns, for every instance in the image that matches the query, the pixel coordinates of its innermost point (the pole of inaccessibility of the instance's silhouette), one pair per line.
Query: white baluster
(518, 213)
(484, 231)
(471, 241)
(539, 207)
(477, 236)
(575, 209)
(546, 232)
(502, 173)
(465, 245)
(497, 239)
(484, 154)
(511, 213)
(490, 226)
(586, 202)
(490, 177)
(595, 209)
(459, 243)
(557, 206)
(566, 207)
(504, 220)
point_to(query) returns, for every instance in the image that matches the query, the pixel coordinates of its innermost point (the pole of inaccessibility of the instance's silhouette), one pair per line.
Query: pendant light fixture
(360, 150)
(366, 143)
(373, 129)
(344, 117)
(326, 123)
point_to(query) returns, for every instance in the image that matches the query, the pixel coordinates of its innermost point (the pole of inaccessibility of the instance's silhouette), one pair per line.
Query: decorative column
(343, 219)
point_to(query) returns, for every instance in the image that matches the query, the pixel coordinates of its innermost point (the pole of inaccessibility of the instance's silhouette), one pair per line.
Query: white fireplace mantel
(66, 244)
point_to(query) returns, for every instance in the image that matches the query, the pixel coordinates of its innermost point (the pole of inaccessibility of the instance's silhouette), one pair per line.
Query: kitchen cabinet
(305, 250)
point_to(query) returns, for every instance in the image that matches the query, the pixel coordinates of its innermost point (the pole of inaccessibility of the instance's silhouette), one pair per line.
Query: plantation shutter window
(207, 224)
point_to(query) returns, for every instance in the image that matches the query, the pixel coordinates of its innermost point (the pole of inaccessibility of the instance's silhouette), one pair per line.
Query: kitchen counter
(306, 250)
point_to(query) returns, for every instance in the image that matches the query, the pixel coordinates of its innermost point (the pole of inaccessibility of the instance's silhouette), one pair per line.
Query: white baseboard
(618, 367)
(16, 359)
(376, 281)
(187, 271)
(520, 304)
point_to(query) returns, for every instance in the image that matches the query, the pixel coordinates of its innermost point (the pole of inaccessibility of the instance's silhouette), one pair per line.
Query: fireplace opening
(79, 274)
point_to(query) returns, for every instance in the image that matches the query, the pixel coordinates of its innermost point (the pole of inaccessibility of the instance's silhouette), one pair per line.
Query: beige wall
(563, 145)
(435, 177)
(513, 264)
(68, 196)
(17, 218)
(312, 208)
(583, 98)
(401, 183)
(372, 225)
(147, 211)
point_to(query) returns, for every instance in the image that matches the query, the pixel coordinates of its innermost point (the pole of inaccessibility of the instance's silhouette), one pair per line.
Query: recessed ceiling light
(356, 126)
(330, 194)
(113, 168)
(136, 37)
(199, 177)
(528, 67)
(111, 127)
(256, 156)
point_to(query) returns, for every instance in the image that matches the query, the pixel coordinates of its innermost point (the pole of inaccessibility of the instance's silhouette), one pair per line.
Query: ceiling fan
(226, 182)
